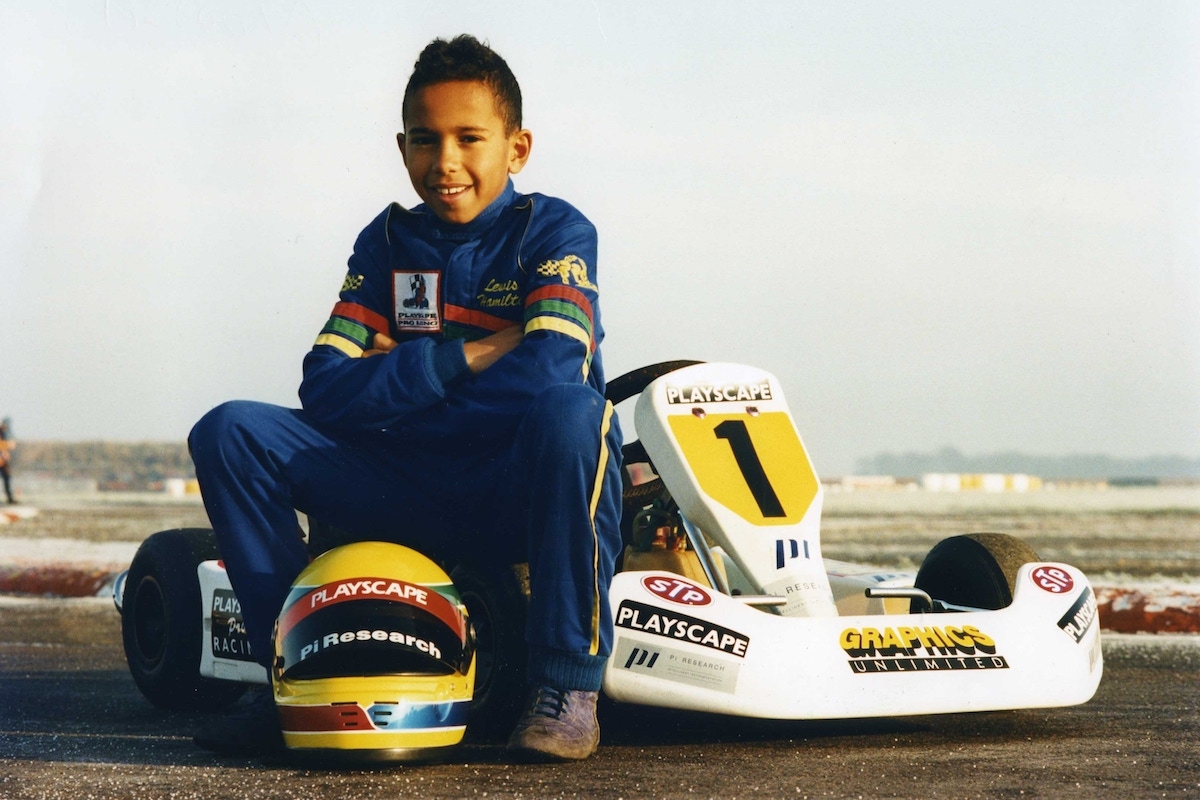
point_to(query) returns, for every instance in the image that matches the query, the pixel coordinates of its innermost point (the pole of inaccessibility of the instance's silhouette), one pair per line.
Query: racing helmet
(374, 657)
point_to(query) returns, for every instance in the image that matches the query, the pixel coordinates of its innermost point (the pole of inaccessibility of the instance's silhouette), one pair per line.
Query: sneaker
(250, 728)
(557, 725)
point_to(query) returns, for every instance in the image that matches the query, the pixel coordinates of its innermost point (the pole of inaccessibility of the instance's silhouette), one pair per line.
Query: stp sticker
(1053, 579)
(677, 590)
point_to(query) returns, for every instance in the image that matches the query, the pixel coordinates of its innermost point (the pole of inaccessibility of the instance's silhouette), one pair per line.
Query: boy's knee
(568, 406)
(229, 428)
(216, 425)
(565, 418)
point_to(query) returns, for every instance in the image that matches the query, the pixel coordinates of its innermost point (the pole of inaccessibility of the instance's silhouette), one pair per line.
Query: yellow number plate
(754, 466)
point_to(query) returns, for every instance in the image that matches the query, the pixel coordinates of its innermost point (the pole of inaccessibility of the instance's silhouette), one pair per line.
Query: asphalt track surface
(73, 725)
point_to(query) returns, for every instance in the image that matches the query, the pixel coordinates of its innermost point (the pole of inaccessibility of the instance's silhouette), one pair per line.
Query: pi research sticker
(417, 296)
(677, 666)
(1053, 579)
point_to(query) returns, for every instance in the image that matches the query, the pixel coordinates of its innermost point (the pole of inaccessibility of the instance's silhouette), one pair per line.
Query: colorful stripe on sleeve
(565, 310)
(470, 324)
(352, 329)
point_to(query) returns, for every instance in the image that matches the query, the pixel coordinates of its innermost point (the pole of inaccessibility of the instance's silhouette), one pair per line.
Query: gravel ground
(1114, 535)
(73, 727)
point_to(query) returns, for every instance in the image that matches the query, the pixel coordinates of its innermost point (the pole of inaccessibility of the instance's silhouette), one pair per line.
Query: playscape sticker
(672, 625)
(228, 630)
(729, 393)
(417, 301)
(1080, 616)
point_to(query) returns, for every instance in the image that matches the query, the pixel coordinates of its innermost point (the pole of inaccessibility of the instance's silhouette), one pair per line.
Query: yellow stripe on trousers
(601, 468)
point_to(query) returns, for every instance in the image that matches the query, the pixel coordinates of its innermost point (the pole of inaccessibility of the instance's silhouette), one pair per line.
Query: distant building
(852, 483)
(979, 482)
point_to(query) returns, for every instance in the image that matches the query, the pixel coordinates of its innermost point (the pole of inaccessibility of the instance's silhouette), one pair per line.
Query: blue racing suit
(520, 461)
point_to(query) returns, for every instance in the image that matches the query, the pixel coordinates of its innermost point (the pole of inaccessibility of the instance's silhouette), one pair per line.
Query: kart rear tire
(497, 601)
(977, 570)
(161, 622)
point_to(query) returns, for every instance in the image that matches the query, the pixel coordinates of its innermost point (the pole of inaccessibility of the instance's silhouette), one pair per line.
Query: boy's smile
(456, 150)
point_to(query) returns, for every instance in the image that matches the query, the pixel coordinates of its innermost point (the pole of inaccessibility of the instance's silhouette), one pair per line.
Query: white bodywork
(722, 439)
(225, 653)
(705, 651)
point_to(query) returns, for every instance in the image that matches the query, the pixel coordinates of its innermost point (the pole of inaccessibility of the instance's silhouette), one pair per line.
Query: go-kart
(723, 602)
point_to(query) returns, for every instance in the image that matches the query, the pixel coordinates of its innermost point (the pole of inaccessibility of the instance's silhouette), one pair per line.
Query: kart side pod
(682, 645)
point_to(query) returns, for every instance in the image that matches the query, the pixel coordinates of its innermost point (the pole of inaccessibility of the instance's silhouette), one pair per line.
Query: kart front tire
(161, 622)
(977, 570)
(497, 601)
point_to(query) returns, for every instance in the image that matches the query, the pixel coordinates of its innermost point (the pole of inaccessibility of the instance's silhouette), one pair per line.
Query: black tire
(161, 625)
(497, 601)
(977, 570)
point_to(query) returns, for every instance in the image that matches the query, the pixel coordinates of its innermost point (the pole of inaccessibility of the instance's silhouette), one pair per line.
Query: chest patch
(417, 299)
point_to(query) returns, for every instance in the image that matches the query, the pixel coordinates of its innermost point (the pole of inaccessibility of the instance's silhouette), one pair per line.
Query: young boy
(454, 400)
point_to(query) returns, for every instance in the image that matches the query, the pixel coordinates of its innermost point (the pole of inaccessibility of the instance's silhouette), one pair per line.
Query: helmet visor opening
(368, 638)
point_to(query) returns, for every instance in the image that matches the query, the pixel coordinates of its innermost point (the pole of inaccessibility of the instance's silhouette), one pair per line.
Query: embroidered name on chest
(499, 294)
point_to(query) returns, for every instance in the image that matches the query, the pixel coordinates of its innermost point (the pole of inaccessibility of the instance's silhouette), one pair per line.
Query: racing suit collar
(470, 230)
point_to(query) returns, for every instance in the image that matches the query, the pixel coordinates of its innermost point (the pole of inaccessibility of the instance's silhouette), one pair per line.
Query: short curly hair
(465, 58)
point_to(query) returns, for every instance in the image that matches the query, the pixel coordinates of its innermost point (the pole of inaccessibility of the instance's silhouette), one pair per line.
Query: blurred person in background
(6, 448)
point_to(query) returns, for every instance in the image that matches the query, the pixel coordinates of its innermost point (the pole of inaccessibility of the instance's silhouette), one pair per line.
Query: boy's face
(456, 150)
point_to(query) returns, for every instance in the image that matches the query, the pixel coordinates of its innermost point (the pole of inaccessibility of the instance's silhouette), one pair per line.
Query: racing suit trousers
(552, 496)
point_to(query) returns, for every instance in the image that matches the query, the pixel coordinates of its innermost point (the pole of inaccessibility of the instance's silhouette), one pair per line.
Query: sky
(938, 224)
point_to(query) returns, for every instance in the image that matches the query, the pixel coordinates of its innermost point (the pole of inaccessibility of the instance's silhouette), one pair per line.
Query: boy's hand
(480, 354)
(484, 352)
(379, 345)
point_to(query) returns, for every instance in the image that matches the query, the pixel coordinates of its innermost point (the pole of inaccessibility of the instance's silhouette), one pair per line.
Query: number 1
(734, 431)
